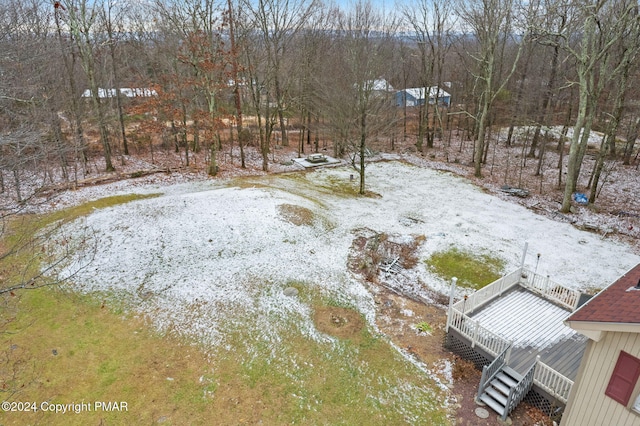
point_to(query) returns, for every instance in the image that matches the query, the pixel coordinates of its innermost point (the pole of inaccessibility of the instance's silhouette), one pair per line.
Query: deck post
(452, 291)
(508, 356)
(524, 254)
(575, 304)
(547, 289)
(475, 334)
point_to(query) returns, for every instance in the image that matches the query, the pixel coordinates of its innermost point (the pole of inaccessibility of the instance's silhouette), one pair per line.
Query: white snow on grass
(202, 259)
(595, 137)
(194, 260)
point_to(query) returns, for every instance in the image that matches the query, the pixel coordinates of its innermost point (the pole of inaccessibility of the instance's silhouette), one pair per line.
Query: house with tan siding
(607, 387)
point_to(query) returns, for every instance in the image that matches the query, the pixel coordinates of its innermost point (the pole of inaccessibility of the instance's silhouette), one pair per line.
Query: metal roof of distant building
(618, 303)
(419, 92)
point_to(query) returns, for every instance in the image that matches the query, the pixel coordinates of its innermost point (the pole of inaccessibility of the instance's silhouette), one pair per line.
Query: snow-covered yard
(204, 257)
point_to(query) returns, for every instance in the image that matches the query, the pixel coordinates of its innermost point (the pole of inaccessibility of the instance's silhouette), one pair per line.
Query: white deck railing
(488, 292)
(517, 393)
(477, 334)
(553, 382)
(550, 290)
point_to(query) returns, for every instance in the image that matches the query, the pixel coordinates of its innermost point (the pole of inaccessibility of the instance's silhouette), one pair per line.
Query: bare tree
(432, 23)
(632, 135)
(235, 75)
(112, 15)
(492, 24)
(255, 77)
(74, 110)
(360, 101)
(80, 17)
(278, 22)
(197, 73)
(308, 53)
(30, 255)
(549, 93)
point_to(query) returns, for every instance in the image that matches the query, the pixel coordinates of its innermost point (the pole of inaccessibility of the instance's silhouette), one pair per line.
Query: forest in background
(251, 76)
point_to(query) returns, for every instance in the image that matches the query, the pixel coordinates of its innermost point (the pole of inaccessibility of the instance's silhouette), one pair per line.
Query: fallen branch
(100, 180)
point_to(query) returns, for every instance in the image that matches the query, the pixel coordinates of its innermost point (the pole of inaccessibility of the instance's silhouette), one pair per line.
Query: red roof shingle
(618, 303)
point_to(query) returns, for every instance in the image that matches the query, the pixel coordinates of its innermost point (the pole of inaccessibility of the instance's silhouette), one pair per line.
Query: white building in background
(125, 91)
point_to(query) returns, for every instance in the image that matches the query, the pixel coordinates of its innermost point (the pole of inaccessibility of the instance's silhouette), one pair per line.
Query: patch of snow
(445, 369)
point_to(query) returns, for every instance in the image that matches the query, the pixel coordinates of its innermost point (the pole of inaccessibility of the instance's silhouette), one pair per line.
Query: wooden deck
(535, 326)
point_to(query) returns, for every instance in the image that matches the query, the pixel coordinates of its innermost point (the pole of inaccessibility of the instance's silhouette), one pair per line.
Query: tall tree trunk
(610, 137)
(303, 117)
(236, 85)
(632, 136)
(183, 134)
(543, 149)
(80, 26)
(404, 114)
(479, 147)
(17, 184)
(316, 139)
(519, 92)
(547, 102)
(102, 126)
(308, 128)
(264, 148)
(279, 103)
(59, 143)
(573, 168)
(213, 152)
(195, 147)
(363, 147)
(421, 127)
(116, 86)
(584, 139)
(69, 62)
(597, 169)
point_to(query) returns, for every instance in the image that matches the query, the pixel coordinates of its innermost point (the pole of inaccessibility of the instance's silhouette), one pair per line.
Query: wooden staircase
(496, 394)
(501, 387)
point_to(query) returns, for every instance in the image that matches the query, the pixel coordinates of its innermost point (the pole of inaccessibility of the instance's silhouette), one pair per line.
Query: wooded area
(85, 80)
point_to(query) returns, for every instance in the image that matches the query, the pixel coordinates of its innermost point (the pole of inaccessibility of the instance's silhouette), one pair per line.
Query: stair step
(497, 395)
(506, 379)
(492, 403)
(512, 373)
(500, 386)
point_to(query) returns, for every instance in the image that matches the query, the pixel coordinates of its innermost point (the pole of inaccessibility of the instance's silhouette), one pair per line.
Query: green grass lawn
(473, 270)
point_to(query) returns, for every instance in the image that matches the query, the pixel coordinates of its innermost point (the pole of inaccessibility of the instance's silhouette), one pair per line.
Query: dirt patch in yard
(397, 317)
(339, 322)
(296, 215)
